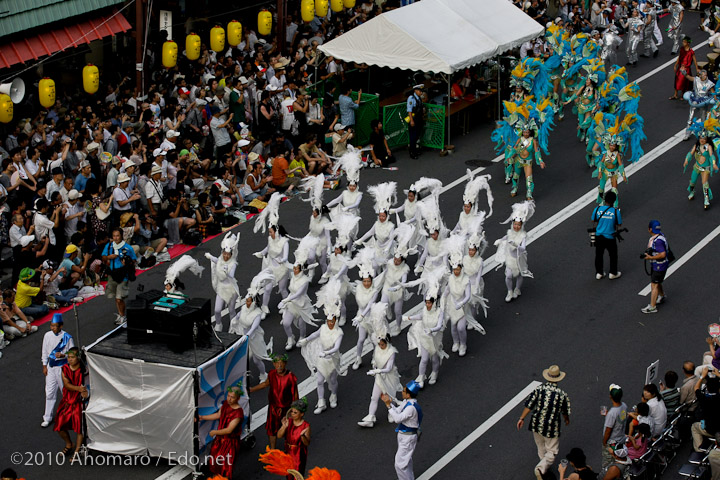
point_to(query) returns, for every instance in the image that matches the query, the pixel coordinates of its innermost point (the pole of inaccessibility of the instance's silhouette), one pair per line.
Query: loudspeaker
(15, 90)
(179, 328)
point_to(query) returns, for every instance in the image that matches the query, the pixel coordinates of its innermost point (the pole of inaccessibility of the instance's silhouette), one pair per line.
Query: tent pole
(499, 112)
(448, 112)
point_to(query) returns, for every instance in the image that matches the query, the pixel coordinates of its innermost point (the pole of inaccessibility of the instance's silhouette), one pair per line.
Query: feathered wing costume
(511, 248)
(243, 321)
(269, 215)
(186, 262)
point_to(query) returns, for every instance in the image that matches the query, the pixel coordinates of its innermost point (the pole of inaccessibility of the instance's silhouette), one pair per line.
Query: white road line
(178, 472)
(478, 432)
(685, 258)
(667, 64)
(591, 196)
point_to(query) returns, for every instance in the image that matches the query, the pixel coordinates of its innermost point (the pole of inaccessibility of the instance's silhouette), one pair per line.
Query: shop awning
(56, 39)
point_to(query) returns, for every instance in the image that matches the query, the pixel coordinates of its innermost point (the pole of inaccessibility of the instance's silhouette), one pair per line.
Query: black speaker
(177, 327)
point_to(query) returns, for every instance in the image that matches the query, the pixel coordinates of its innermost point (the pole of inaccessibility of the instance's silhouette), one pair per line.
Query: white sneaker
(462, 351)
(509, 296)
(516, 293)
(262, 377)
(33, 329)
(649, 309)
(599, 276)
(433, 378)
(355, 365)
(333, 400)
(455, 347)
(78, 300)
(368, 421)
(9, 336)
(613, 277)
(421, 380)
(45, 424)
(218, 327)
(660, 299)
(120, 319)
(320, 407)
(290, 343)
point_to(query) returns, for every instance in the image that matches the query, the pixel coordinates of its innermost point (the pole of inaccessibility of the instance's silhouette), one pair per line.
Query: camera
(648, 251)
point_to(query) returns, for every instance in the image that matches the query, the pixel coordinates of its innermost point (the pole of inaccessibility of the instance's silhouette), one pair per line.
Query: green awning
(20, 15)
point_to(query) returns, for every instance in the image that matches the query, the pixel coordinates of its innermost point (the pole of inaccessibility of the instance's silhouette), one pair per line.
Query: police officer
(408, 415)
(416, 116)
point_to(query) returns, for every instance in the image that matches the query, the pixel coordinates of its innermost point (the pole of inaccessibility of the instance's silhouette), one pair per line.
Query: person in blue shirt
(657, 249)
(416, 118)
(82, 177)
(608, 218)
(348, 106)
(118, 281)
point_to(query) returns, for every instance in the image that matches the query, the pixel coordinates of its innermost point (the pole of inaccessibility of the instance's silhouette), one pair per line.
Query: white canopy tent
(439, 36)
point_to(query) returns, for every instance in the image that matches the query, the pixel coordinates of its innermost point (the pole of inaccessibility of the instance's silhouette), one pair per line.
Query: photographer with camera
(657, 252)
(607, 219)
(120, 259)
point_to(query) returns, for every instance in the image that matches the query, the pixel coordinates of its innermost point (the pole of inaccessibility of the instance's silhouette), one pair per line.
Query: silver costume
(610, 44)
(675, 27)
(634, 28)
(700, 99)
(649, 30)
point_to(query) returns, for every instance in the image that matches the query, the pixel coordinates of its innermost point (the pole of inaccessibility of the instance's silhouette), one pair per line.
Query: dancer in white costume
(470, 203)
(56, 344)
(275, 255)
(425, 333)
(223, 277)
(393, 294)
(473, 268)
(387, 378)
(349, 200)
(321, 352)
(172, 275)
(511, 249)
(436, 231)
(381, 235)
(457, 296)
(367, 290)
(338, 265)
(409, 208)
(247, 322)
(319, 220)
(297, 308)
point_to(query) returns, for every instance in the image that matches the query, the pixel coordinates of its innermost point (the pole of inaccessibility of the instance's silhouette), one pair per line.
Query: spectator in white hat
(84, 175)
(162, 163)
(112, 174)
(340, 139)
(123, 197)
(170, 141)
(154, 191)
(74, 211)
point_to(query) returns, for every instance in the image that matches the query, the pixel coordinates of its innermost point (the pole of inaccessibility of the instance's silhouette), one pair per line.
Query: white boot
(218, 327)
(421, 380)
(265, 310)
(509, 296)
(433, 378)
(516, 293)
(357, 363)
(368, 421)
(455, 347)
(461, 351)
(333, 400)
(320, 407)
(342, 320)
(290, 343)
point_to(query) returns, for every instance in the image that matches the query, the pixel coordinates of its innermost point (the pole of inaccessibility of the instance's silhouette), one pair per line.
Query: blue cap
(57, 318)
(654, 226)
(413, 387)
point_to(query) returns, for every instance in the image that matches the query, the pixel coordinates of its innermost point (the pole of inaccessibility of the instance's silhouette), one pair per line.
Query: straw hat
(553, 374)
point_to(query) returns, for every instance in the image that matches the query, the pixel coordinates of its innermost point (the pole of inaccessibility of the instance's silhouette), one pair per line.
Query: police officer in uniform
(408, 415)
(416, 115)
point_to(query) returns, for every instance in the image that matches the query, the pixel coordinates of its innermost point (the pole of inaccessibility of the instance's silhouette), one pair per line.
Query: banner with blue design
(215, 376)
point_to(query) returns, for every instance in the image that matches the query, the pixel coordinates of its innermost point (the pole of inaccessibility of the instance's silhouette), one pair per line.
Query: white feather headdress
(270, 214)
(344, 224)
(521, 212)
(385, 195)
(314, 187)
(425, 185)
(473, 188)
(365, 262)
(403, 236)
(179, 266)
(230, 244)
(328, 297)
(454, 247)
(378, 319)
(351, 163)
(430, 214)
(257, 284)
(307, 244)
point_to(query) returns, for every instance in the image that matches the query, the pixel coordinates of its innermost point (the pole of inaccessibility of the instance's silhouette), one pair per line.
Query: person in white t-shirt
(286, 108)
(44, 225)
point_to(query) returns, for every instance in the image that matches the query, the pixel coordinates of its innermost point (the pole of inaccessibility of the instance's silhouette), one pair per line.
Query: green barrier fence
(396, 128)
(366, 112)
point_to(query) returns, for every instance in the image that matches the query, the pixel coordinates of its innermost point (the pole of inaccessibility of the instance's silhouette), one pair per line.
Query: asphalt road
(593, 329)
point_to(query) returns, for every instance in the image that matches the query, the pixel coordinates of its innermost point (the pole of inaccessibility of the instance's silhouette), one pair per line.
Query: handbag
(102, 215)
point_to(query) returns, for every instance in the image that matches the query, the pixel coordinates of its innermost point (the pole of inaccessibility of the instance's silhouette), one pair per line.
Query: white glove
(356, 321)
(428, 331)
(457, 306)
(258, 254)
(394, 288)
(406, 317)
(208, 256)
(419, 270)
(302, 342)
(371, 373)
(282, 304)
(345, 209)
(321, 354)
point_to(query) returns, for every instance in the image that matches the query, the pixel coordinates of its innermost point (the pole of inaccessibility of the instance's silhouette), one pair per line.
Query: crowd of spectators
(206, 144)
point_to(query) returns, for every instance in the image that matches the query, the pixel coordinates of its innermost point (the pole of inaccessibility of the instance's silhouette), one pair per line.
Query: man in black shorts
(657, 254)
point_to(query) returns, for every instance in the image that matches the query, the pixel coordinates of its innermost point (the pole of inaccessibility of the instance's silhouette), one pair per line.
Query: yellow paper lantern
(264, 22)
(307, 9)
(321, 8)
(169, 54)
(234, 33)
(6, 109)
(336, 5)
(217, 38)
(46, 91)
(192, 46)
(91, 78)
(349, 3)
